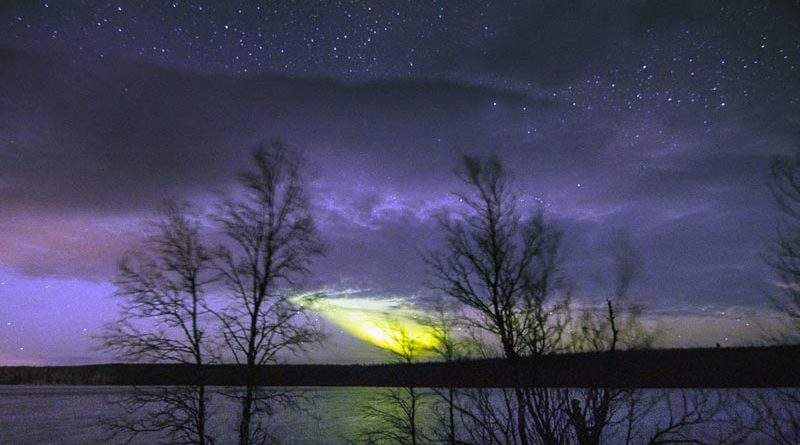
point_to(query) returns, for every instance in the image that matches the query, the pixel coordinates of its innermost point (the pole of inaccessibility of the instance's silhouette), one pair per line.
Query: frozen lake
(74, 414)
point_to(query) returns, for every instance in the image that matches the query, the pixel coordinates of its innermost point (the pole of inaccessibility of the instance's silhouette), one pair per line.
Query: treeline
(675, 368)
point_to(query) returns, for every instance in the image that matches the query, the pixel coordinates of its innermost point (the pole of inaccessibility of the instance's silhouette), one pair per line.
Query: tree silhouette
(393, 414)
(163, 301)
(502, 267)
(693, 416)
(772, 414)
(272, 239)
(496, 263)
(442, 323)
(775, 414)
(785, 255)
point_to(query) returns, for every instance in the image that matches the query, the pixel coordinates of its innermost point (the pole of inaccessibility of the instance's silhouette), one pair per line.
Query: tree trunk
(201, 413)
(522, 424)
(451, 413)
(413, 416)
(247, 404)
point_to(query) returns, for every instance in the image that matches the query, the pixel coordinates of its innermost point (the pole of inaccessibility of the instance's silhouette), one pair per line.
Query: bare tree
(501, 266)
(163, 302)
(774, 413)
(626, 266)
(393, 414)
(620, 325)
(591, 412)
(785, 255)
(495, 262)
(272, 240)
(487, 417)
(635, 416)
(693, 416)
(442, 323)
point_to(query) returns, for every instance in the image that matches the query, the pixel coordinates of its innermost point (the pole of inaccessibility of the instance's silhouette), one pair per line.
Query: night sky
(655, 119)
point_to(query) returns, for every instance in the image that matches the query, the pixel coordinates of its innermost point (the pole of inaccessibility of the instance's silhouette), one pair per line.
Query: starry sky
(655, 119)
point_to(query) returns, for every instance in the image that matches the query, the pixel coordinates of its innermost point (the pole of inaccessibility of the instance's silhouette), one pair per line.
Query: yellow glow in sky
(386, 323)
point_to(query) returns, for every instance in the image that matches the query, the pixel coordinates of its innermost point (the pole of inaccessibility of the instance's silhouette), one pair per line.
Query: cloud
(87, 147)
(122, 135)
(66, 246)
(84, 145)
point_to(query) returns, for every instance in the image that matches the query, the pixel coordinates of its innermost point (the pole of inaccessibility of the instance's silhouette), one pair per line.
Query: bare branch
(162, 300)
(272, 240)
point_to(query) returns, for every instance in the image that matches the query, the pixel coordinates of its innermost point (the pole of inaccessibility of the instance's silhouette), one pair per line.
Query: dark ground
(776, 366)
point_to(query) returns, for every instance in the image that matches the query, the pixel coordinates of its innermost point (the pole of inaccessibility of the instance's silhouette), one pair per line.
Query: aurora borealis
(388, 323)
(651, 119)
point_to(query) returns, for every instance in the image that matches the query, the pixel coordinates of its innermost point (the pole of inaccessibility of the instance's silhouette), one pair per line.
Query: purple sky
(656, 119)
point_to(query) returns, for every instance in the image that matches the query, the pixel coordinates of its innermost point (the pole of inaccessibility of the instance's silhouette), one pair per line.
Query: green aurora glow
(387, 323)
